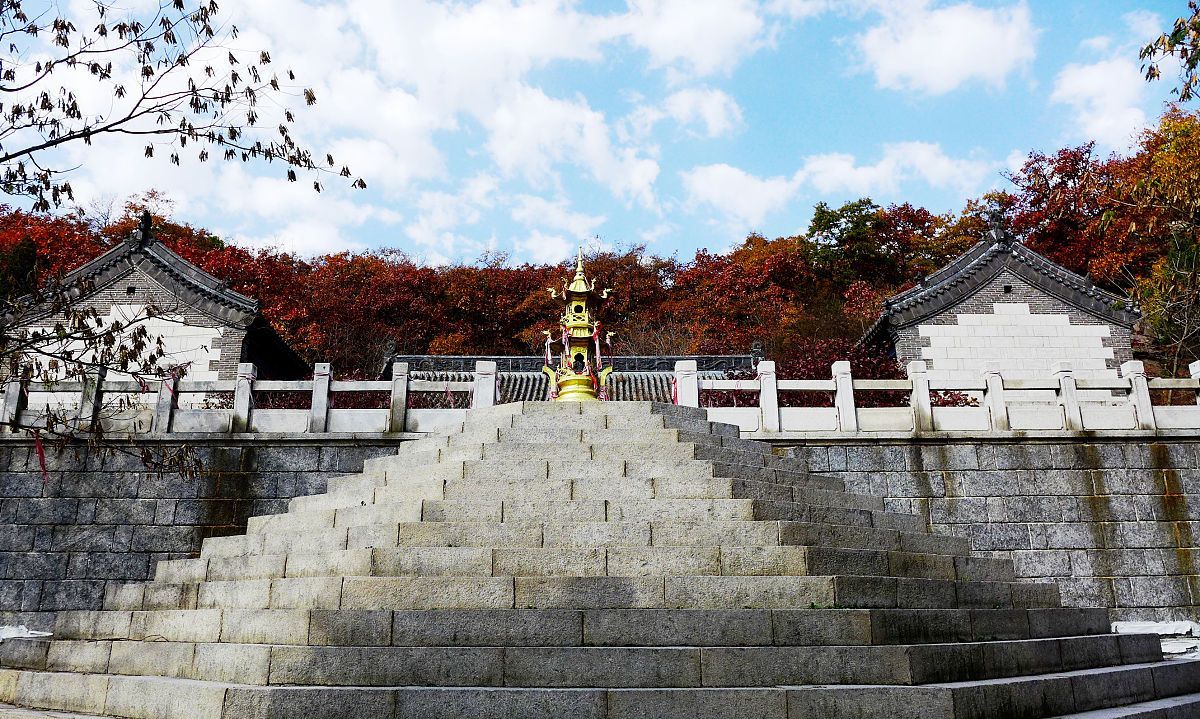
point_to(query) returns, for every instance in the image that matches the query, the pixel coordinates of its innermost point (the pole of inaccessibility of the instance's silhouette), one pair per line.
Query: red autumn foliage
(805, 298)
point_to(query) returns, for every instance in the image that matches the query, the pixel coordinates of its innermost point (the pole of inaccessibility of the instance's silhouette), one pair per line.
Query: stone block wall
(1116, 523)
(100, 516)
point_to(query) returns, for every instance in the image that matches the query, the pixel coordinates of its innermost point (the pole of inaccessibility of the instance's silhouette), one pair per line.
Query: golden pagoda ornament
(579, 373)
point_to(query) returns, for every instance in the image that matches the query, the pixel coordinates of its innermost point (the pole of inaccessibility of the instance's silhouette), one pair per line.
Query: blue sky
(526, 128)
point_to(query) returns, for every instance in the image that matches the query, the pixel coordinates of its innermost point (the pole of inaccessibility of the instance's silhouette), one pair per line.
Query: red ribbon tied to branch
(41, 455)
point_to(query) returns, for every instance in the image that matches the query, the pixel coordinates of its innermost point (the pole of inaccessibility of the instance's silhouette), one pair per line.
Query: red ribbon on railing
(41, 455)
(674, 391)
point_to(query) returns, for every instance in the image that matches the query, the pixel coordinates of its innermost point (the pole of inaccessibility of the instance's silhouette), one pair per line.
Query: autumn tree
(1182, 43)
(170, 76)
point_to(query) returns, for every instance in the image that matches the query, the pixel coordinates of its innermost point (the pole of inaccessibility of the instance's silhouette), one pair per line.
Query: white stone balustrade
(1065, 402)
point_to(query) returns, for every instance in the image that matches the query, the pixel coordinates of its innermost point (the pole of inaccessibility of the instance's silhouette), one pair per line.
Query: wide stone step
(594, 627)
(366, 490)
(599, 592)
(552, 507)
(662, 466)
(8, 711)
(615, 667)
(708, 533)
(1183, 707)
(1035, 697)
(587, 561)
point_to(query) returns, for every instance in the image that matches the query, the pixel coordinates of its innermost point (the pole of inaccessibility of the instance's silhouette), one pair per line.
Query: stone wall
(101, 517)
(1115, 522)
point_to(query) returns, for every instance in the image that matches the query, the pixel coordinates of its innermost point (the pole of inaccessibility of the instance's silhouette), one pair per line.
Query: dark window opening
(578, 309)
(131, 290)
(1008, 289)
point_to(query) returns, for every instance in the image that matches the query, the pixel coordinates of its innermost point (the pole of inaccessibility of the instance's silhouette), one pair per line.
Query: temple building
(1001, 302)
(206, 327)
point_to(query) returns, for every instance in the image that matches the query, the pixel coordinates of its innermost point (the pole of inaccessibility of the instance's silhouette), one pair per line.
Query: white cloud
(533, 211)
(441, 214)
(1015, 160)
(746, 200)
(540, 248)
(936, 50)
(901, 162)
(718, 113)
(656, 233)
(533, 132)
(704, 111)
(1107, 99)
(306, 238)
(1144, 26)
(468, 57)
(695, 37)
(799, 9)
(737, 194)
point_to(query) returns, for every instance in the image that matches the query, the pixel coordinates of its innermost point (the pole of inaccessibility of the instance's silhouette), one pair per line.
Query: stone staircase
(614, 560)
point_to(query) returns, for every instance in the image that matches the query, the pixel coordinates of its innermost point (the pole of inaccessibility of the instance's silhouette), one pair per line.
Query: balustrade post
(843, 398)
(1068, 397)
(922, 405)
(398, 417)
(165, 403)
(14, 402)
(1194, 370)
(90, 399)
(687, 384)
(483, 392)
(243, 397)
(1139, 394)
(318, 414)
(768, 396)
(993, 397)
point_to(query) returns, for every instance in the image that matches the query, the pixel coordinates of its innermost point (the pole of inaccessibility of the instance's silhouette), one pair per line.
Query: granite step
(574, 592)
(593, 627)
(1182, 707)
(393, 469)
(8, 711)
(560, 667)
(586, 534)
(532, 506)
(1036, 697)
(367, 492)
(588, 561)
(1057, 694)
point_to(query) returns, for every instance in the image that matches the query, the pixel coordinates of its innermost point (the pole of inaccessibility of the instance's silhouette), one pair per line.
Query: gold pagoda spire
(580, 283)
(579, 373)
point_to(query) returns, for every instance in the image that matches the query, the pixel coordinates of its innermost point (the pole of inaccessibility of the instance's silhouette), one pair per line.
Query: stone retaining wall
(1115, 522)
(100, 517)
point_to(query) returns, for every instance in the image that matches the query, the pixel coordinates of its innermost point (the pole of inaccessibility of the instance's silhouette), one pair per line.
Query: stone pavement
(591, 560)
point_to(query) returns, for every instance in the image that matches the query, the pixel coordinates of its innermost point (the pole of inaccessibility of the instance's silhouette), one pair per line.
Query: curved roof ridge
(985, 260)
(142, 250)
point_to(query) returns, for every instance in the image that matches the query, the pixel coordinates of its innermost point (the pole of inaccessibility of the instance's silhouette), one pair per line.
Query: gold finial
(580, 283)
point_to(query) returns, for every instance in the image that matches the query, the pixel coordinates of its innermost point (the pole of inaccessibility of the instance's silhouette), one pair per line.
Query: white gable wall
(1025, 344)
